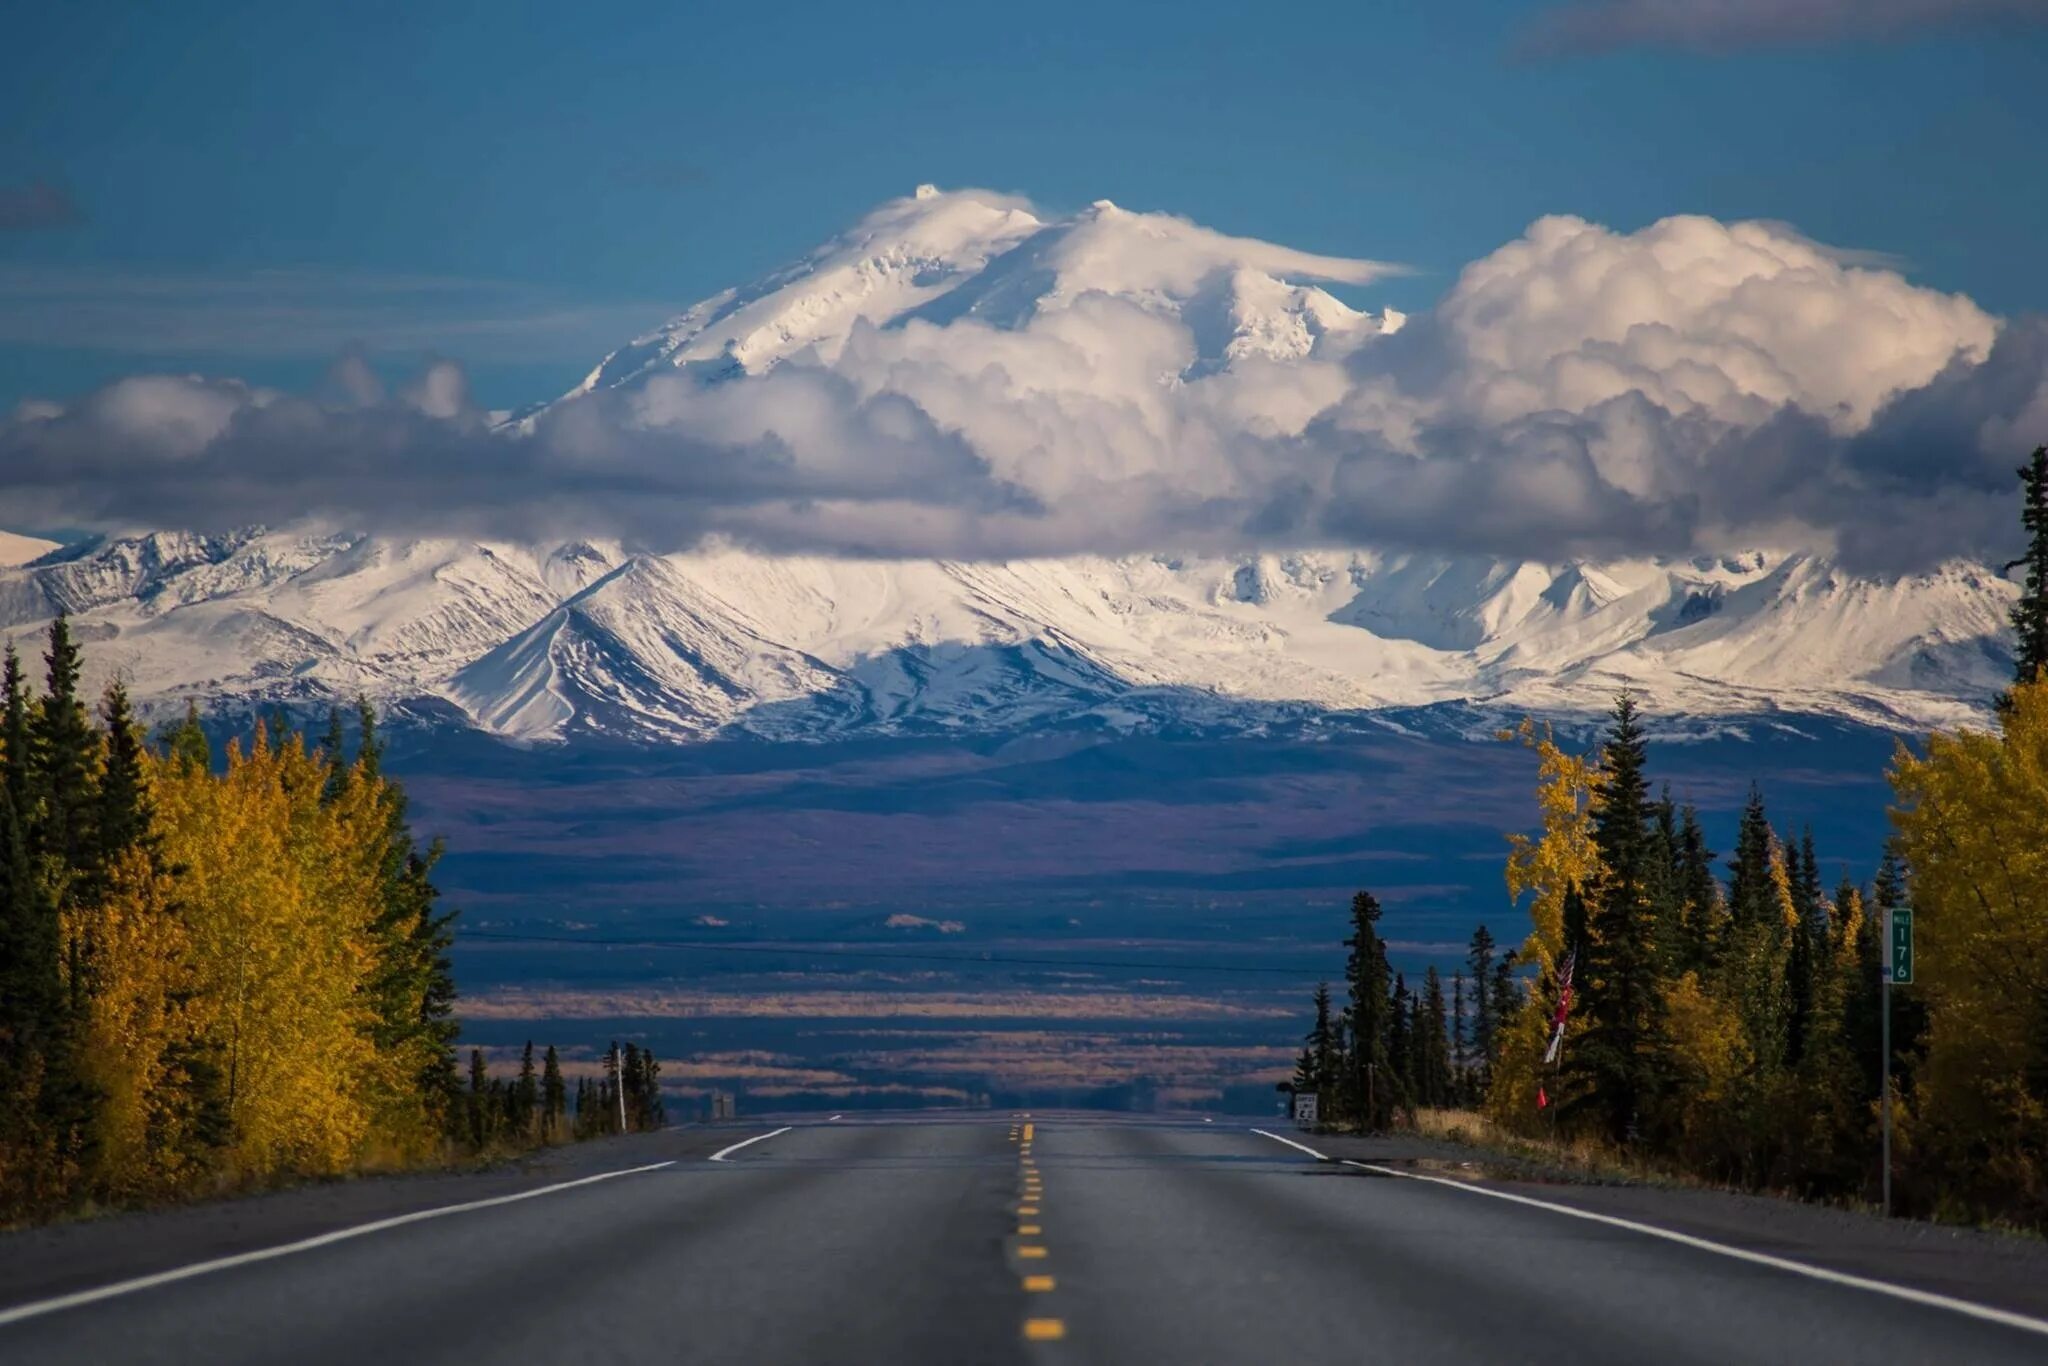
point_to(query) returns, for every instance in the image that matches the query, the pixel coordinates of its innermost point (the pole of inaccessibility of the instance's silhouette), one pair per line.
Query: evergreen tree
(16, 746)
(1485, 1006)
(1804, 958)
(1618, 967)
(123, 819)
(1370, 1086)
(554, 1096)
(1401, 1043)
(528, 1093)
(586, 1109)
(1432, 1051)
(1577, 921)
(63, 847)
(2030, 613)
(1507, 999)
(187, 744)
(1699, 896)
(1750, 899)
(65, 758)
(1320, 1052)
(478, 1099)
(609, 1088)
(1461, 1053)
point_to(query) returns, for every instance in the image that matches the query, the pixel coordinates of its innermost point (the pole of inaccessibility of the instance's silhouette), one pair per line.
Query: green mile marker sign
(1902, 946)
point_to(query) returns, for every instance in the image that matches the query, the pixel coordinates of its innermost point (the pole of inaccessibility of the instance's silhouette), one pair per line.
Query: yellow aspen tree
(1972, 821)
(1546, 869)
(139, 1015)
(1710, 1056)
(275, 926)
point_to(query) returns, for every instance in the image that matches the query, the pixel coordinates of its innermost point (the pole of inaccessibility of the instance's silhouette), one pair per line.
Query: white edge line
(723, 1153)
(1292, 1144)
(1818, 1273)
(106, 1292)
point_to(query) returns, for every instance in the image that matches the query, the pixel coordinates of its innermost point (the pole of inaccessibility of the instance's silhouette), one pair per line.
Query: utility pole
(619, 1090)
(1885, 1085)
(1898, 968)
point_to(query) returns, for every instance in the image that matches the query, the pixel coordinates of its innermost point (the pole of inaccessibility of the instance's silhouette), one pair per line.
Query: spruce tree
(123, 819)
(1507, 999)
(554, 1096)
(16, 745)
(1321, 1050)
(66, 755)
(1433, 1080)
(1750, 898)
(1618, 967)
(478, 1098)
(1369, 981)
(1401, 1043)
(187, 744)
(1479, 958)
(1461, 1054)
(528, 1092)
(609, 1087)
(1806, 954)
(63, 846)
(1699, 896)
(2030, 613)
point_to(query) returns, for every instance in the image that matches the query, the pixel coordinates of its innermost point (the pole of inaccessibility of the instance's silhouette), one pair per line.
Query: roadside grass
(1592, 1161)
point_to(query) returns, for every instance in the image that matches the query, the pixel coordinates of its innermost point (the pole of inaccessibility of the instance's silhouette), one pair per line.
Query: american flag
(1564, 1007)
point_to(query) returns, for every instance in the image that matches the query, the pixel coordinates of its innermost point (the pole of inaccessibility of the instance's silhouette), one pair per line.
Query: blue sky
(243, 188)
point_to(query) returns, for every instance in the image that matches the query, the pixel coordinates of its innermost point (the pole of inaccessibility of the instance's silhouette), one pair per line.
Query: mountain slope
(561, 639)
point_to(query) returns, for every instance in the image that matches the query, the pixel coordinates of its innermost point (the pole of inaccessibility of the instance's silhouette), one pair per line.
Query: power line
(899, 955)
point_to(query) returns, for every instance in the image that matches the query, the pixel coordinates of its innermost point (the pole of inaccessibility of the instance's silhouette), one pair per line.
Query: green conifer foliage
(1432, 1046)
(1370, 1086)
(1618, 969)
(527, 1094)
(2030, 613)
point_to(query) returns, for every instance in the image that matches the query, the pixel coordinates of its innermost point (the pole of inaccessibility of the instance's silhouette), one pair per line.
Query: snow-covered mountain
(555, 640)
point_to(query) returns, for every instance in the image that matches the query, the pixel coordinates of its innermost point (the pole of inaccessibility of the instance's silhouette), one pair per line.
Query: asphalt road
(1047, 1239)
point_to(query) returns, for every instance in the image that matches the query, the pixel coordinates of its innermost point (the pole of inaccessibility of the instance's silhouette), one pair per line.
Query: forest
(1731, 1027)
(221, 971)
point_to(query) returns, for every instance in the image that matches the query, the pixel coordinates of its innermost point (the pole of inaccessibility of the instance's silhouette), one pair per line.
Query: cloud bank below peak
(961, 376)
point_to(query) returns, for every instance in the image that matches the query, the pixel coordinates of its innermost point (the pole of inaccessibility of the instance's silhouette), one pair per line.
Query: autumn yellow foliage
(1545, 869)
(1972, 819)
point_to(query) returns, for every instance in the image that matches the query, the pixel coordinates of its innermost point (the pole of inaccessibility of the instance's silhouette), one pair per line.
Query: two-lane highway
(993, 1239)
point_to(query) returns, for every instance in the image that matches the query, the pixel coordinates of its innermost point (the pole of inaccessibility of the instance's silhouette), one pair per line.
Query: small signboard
(1899, 947)
(1305, 1108)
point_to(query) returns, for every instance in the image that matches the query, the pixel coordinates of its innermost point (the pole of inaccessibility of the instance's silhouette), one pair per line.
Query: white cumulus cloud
(961, 376)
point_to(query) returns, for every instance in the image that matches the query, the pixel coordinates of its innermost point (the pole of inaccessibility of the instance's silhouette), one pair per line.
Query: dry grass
(1581, 1157)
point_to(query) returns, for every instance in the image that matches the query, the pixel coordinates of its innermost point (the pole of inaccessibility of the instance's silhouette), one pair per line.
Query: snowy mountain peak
(552, 640)
(940, 256)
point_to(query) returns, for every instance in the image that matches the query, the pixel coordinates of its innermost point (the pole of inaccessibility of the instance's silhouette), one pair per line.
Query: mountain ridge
(549, 640)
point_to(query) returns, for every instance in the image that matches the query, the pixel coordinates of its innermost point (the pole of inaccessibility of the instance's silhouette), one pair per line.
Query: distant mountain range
(554, 641)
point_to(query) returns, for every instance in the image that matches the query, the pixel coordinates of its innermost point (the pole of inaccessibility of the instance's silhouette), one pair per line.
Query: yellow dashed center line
(1036, 1328)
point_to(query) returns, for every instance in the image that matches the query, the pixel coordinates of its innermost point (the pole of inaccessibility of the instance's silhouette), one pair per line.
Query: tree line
(1731, 1025)
(533, 1107)
(216, 970)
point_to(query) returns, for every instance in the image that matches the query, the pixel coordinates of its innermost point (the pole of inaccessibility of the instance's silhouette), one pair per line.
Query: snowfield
(550, 641)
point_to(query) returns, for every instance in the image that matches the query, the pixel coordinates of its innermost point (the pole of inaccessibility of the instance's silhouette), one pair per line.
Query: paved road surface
(1052, 1239)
